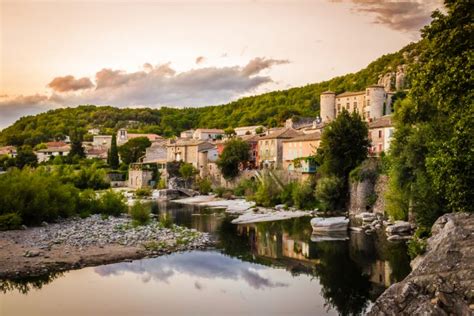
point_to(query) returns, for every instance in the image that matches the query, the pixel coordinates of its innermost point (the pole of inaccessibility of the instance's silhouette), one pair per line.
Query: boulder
(330, 223)
(366, 216)
(399, 228)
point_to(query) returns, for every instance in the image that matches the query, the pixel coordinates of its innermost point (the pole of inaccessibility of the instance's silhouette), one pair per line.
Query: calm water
(264, 269)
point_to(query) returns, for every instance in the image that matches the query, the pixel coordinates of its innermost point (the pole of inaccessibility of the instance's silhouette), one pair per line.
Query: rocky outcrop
(442, 280)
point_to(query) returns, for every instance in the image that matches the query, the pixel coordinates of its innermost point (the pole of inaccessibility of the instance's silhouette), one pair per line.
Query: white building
(208, 134)
(52, 149)
(247, 130)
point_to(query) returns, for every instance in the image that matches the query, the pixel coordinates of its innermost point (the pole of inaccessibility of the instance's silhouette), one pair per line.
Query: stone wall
(359, 196)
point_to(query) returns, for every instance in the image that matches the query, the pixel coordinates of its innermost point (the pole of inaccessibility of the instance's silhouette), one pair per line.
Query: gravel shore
(76, 243)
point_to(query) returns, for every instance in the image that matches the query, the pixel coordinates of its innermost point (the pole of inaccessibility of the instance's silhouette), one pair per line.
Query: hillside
(270, 109)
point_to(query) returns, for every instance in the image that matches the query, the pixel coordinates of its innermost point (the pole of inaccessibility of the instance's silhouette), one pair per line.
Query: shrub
(246, 187)
(286, 195)
(219, 191)
(329, 190)
(10, 221)
(142, 192)
(268, 192)
(303, 195)
(161, 184)
(166, 221)
(204, 185)
(112, 203)
(140, 213)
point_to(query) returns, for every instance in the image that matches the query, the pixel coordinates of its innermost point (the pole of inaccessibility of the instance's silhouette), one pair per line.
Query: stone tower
(328, 106)
(375, 99)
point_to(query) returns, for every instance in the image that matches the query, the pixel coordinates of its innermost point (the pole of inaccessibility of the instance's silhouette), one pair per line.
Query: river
(272, 268)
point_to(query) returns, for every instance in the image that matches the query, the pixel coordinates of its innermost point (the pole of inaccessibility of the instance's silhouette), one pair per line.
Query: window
(355, 104)
(380, 133)
(368, 102)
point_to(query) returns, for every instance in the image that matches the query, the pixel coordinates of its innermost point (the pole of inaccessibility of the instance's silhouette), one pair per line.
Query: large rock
(329, 224)
(399, 228)
(442, 280)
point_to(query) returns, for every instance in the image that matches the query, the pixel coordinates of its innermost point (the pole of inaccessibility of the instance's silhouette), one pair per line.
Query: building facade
(296, 149)
(270, 148)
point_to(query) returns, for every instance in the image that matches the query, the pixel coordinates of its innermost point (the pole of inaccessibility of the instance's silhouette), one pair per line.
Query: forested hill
(270, 109)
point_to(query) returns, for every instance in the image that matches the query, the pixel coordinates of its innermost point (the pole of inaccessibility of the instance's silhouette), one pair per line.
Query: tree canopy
(133, 149)
(236, 151)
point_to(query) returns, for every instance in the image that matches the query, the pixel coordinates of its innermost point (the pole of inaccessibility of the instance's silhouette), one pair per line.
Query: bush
(161, 184)
(330, 191)
(246, 187)
(10, 221)
(219, 191)
(286, 196)
(303, 195)
(166, 221)
(204, 185)
(268, 192)
(142, 192)
(112, 203)
(140, 213)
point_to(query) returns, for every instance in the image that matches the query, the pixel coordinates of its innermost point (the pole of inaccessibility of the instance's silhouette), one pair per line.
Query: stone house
(298, 148)
(380, 135)
(196, 152)
(187, 134)
(8, 151)
(102, 141)
(270, 147)
(247, 130)
(140, 175)
(208, 134)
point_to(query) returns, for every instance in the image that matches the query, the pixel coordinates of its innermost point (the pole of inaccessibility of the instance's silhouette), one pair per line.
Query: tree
(432, 162)
(112, 157)
(229, 132)
(187, 171)
(26, 157)
(344, 145)
(235, 151)
(76, 145)
(132, 150)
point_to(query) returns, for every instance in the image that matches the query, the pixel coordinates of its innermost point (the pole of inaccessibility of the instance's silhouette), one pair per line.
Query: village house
(187, 134)
(300, 122)
(208, 134)
(141, 175)
(96, 153)
(8, 151)
(196, 152)
(380, 135)
(93, 131)
(247, 130)
(296, 149)
(123, 136)
(157, 153)
(102, 141)
(270, 147)
(52, 149)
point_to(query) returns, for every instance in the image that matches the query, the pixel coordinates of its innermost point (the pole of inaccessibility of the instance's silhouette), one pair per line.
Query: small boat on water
(329, 224)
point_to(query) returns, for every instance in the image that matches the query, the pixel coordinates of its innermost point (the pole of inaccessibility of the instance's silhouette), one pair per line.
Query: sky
(153, 53)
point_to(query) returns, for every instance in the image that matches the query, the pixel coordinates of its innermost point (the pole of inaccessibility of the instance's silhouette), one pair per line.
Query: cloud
(200, 59)
(399, 15)
(151, 86)
(69, 83)
(258, 64)
(205, 265)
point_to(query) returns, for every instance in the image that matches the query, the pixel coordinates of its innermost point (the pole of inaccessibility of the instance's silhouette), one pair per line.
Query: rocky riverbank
(76, 243)
(442, 280)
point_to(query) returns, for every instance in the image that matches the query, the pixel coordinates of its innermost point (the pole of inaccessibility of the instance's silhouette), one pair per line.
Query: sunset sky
(187, 53)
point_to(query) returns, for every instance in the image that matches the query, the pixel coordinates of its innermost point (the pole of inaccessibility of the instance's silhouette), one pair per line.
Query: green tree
(432, 161)
(229, 132)
(187, 171)
(112, 156)
(26, 157)
(235, 152)
(77, 150)
(132, 150)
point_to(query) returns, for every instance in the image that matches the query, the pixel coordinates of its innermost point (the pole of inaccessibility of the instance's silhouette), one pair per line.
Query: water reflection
(342, 273)
(24, 285)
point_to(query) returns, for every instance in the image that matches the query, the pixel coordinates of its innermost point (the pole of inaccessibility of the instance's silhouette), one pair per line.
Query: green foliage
(229, 131)
(369, 170)
(286, 195)
(142, 192)
(432, 162)
(417, 245)
(236, 151)
(161, 184)
(112, 203)
(303, 195)
(166, 220)
(140, 213)
(246, 187)
(10, 221)
(268, 192)
(25, 157)
(77, 150)
(187, 171)
(133, 149)
(204, 185)
(330, 190)
(36, 195)
(90, 177)
(112, 155)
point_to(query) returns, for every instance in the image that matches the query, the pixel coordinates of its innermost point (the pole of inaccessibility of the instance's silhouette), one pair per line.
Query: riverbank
(442, 280)
(77, 243)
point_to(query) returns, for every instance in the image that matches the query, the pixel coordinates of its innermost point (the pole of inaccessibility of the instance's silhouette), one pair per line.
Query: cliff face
(442, 280)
